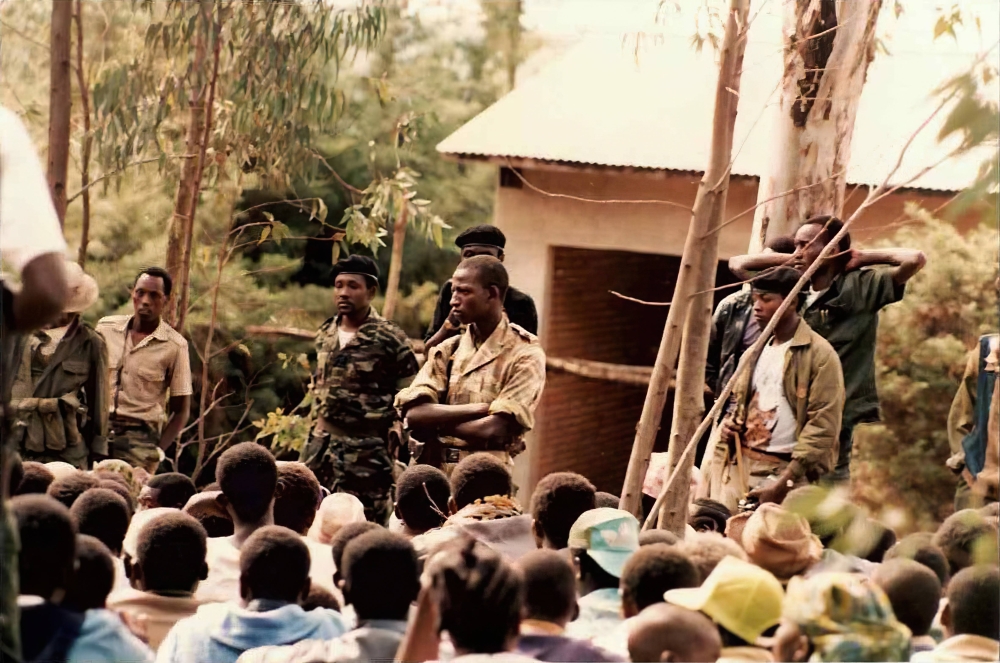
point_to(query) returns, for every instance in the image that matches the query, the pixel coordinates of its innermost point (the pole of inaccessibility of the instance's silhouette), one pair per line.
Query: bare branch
(125, 167)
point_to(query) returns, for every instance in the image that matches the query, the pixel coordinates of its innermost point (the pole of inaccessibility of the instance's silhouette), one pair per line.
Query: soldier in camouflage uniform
(363, 361)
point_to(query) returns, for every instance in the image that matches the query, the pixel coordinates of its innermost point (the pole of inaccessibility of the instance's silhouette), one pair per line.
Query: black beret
(355, 264)
(485, 234)
(780, 281)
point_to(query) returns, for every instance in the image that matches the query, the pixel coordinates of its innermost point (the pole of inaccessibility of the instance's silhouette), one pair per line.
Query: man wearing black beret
(484, 240)
(363, 360)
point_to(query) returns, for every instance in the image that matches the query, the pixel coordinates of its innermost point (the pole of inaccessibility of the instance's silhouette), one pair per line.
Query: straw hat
(780, 541)
(82, 288)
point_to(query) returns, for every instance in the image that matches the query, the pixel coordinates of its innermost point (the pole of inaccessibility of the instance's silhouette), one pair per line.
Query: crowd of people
(261, 567)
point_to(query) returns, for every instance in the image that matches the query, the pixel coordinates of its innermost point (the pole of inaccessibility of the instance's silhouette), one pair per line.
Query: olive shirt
(140, 376)
(507, 371)
(846, 315)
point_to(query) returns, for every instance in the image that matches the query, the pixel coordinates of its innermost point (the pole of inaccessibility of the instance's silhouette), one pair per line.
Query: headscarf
(335, 511)
(847, 618)
(123, 469)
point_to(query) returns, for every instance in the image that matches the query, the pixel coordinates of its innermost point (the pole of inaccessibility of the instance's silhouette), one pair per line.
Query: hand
(854, 261)
(774, 491)
(728, 431)
(453, 323)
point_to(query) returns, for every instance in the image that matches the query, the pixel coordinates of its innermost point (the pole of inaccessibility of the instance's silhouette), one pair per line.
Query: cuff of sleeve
(410, 394)
(797, 468)
(99, 446)
(520, 413)
(188, 391)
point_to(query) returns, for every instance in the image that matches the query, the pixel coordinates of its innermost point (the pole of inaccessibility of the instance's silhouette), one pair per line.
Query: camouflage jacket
(355, 385)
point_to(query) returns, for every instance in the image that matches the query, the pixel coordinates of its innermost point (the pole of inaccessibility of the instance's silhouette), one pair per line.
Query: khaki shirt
(507, 371)
(141, 377)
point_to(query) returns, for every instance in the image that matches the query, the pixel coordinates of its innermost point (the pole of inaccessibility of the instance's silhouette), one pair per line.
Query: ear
(245, 592)
(452, 507)
(629, 608)
(668, 656)
(946, 618)
(576, 611)
(536, 531)
(203, 573)
(395, 512)
(494, 292)
(222, 501)
(305, 590)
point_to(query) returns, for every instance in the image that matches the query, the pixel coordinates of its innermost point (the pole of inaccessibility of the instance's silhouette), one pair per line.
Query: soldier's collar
(372, 316)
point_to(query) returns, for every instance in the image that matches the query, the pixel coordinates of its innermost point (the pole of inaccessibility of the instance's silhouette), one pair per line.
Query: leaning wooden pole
(699, 258)
(60, 103)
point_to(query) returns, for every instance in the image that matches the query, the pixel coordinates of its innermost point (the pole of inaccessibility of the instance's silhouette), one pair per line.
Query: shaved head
(664, 632)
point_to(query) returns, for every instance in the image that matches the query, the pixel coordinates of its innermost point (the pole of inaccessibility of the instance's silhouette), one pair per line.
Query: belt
(127, 423)
(324, 426)
(765, 456)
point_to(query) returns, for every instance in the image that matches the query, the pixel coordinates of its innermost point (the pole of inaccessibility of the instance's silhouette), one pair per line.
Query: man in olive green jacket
(784, 419)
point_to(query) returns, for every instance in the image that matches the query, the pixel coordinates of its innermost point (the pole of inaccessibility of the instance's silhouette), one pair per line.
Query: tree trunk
(185, 272)
(88, 138)
(181, 223)
(60, 103)
(698, 265)
(395, 265)
(826, 62)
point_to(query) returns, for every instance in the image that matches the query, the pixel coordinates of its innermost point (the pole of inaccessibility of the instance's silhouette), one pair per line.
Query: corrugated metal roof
(608, 104)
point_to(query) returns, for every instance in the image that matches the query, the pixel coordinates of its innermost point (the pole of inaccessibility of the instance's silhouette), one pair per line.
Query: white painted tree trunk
(828, 46)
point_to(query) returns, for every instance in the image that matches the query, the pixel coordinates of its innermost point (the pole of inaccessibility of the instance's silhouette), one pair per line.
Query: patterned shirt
(141, 374)
(355, 384)
(507, 371)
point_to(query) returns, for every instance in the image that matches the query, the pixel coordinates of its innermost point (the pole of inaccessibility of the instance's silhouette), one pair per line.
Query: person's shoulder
(103, 633)
(523, 335)
(328, 325)
(173, 336)
(822, 348)
(111, 322)
(384, 330)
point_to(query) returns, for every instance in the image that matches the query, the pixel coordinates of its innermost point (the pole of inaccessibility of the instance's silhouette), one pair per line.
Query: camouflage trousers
(360, 466)
(139, 446)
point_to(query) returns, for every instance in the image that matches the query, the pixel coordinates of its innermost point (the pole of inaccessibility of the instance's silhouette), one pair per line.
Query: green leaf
(268, 216)
(243, 349)
(336, 251)
(280, 231)
(323, 211)
(264, 235)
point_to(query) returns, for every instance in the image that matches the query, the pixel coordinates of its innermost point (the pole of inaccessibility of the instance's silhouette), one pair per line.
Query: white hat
(82, 289)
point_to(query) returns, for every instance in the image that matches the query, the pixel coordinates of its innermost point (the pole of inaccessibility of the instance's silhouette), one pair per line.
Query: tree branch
(141, 162)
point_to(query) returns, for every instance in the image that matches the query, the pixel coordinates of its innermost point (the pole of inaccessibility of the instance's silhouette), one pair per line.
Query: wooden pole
(60, 103)
(700, 254)
(88, 140)
(395, 264)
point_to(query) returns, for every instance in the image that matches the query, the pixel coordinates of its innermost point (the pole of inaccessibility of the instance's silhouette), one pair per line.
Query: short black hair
(381, 575)
(920, 548)
(604, 499)
(653, 570)
(170, 550)
(274, 564)
(70, 487)
(781, 244)
(886, 539)
(216, 526)
(913, 590)
(549, 586)
(489, 272)
(103, 514)
(832, 225)
(650, 536)
(174, 489)
(478, 476)
(297, 497)
(974, 601)
(121, 491)
(36, 479)
(318, 597)
(422, 493)
(160, 273)
(94, 576)
(344, 536)
(779, 280)
(557, 501)
(485, 234)
(959, 535)
(247, 476)
(481, 596)
(709, 516)
(48, 544)
(16, 472)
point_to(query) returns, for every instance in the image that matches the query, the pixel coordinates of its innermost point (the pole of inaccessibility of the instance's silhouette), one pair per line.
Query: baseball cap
(742, 598)
(609, 536)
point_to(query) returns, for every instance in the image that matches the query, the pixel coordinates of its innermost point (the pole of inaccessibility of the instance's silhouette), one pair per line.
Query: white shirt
(345, 337)
(29, 226)
(813, 295)
(774, 428)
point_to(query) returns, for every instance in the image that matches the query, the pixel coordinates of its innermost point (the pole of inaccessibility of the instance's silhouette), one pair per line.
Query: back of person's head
(345, 535)
(974, 602)
(170, 554)
(68, 488)
(319, 597)
(963, 537)
(920, 548)
(422, 494)
(297, 497)
(121, 490)
(913, 590)
(606, 500)
(381, 575)
(274, 565)
(94, 576)
(706, 550)
(48, 545)
(651, 572)
(707, 515)
(557, 501)
(650, 536)
(480, 596)
(171, 489)
(103, 514)
(549, 587)
(881, 539)
(35, 479)
(247, 476)
(664, 632)
(478, 476)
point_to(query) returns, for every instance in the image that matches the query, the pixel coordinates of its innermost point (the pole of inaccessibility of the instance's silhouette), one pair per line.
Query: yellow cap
(742, 598)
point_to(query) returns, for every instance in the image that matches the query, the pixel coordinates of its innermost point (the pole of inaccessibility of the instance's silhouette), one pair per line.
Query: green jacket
(60, 406)
(814, 387)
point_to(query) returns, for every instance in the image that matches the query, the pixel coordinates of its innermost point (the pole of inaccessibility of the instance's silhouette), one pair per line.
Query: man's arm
(489, 432)
(179, 408)
(960, 416)
(431, 415)
(744, 267)
(43, 292)
(907, 262)
(441, 311)
(448, 328)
